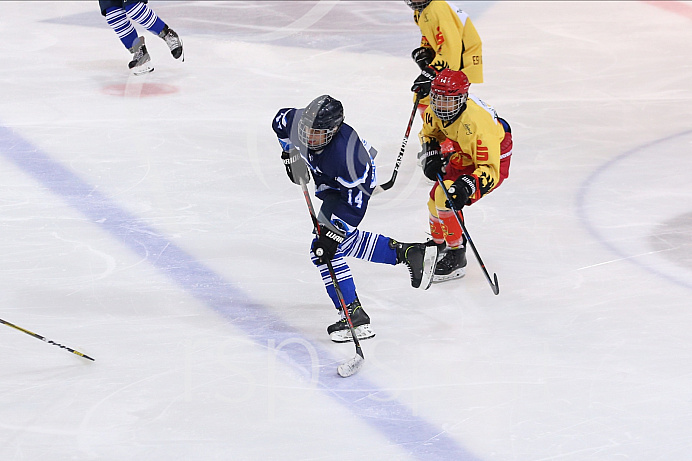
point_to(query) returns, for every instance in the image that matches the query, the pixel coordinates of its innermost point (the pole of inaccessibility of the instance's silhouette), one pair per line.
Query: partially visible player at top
(449, 40)
(316, 142)
(118, 14)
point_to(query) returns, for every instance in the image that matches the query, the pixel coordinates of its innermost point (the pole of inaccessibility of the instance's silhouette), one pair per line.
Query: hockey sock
(436, 229)
(369, 246)
(343, 277)
(142, 14)
(117, 19)
(452, 230)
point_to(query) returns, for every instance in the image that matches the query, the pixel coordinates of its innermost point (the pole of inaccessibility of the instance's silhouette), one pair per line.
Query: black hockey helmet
(418, 5)
(320, 121)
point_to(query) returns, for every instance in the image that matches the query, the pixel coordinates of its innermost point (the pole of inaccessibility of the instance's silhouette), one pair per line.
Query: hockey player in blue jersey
(316, 141)
(118, 14)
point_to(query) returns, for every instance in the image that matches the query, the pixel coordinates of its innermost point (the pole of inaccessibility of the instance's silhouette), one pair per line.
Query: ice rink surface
(148, 222)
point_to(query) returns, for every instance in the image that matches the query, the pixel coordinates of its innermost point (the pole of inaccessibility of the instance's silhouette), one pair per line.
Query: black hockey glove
(421, 85)
(433, 161)
(296, 169)
(423, 56)
(463, 188)
(327, 243)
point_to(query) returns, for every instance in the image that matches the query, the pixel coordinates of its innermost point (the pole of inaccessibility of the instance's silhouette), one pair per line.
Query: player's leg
(339, 331)
(453, 262)
(418, 257)
(118, 21)
(139, 11)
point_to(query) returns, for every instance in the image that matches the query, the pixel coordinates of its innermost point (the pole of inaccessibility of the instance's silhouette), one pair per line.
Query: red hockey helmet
(448, 93)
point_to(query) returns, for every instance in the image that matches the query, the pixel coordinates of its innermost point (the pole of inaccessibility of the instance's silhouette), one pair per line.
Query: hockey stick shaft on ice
(31, 333)
(352, 366)
(388, 185)
(494, 285)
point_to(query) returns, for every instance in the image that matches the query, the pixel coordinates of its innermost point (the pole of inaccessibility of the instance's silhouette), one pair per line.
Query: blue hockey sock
(343, 277)
(117, 19)
(142, 14)
(370, 247)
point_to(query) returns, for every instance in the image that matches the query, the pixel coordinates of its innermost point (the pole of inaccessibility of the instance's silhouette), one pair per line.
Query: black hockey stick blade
(388, 185)
(493, 283)
(496, 285)
(351, 367)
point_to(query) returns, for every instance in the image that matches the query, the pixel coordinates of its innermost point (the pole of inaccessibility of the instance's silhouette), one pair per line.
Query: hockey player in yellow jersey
(476, 165)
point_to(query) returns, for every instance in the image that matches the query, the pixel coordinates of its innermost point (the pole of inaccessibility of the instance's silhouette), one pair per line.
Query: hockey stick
(31, 333)
(351, 367)
(388, 185)
(494, 286)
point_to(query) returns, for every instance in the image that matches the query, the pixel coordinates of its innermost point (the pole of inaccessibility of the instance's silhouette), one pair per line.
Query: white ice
(148, 222)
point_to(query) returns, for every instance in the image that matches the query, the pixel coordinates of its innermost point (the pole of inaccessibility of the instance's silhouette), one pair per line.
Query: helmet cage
(321, 119)
(445, 107)
(315, 138)
(419, 5)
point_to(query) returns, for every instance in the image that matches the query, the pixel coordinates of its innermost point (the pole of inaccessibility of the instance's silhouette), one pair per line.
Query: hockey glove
(326, 244)
(296, 169)
(423, 56)
(433, 161)
(422, 84)
(463, 188)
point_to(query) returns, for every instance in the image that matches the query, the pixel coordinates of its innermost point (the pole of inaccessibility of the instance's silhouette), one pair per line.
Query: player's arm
(296, 168)
(430, 138)
(472, 57)
(444, 37)
(485, 153)
(487, 158)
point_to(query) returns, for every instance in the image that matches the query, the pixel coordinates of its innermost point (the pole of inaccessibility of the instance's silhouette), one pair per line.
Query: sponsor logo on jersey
(439, 38)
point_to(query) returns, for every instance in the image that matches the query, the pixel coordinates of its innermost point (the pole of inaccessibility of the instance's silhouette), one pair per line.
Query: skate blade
(457, 274)
(143, 69)
(344, 336)
(429, 265)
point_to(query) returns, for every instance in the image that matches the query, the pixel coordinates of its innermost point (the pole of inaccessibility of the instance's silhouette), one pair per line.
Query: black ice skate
(339, 332)
(451, 266)
(173, 41)
(140, 58)
(420, 258)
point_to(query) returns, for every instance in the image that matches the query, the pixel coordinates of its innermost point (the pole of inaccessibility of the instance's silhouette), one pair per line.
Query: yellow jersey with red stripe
(448, 30)
(476, 135)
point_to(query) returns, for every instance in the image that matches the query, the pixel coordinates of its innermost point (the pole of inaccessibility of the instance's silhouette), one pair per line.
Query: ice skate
(340, 332)
(421, 259)
(451, 265)
(175, 44)
(140, 63)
